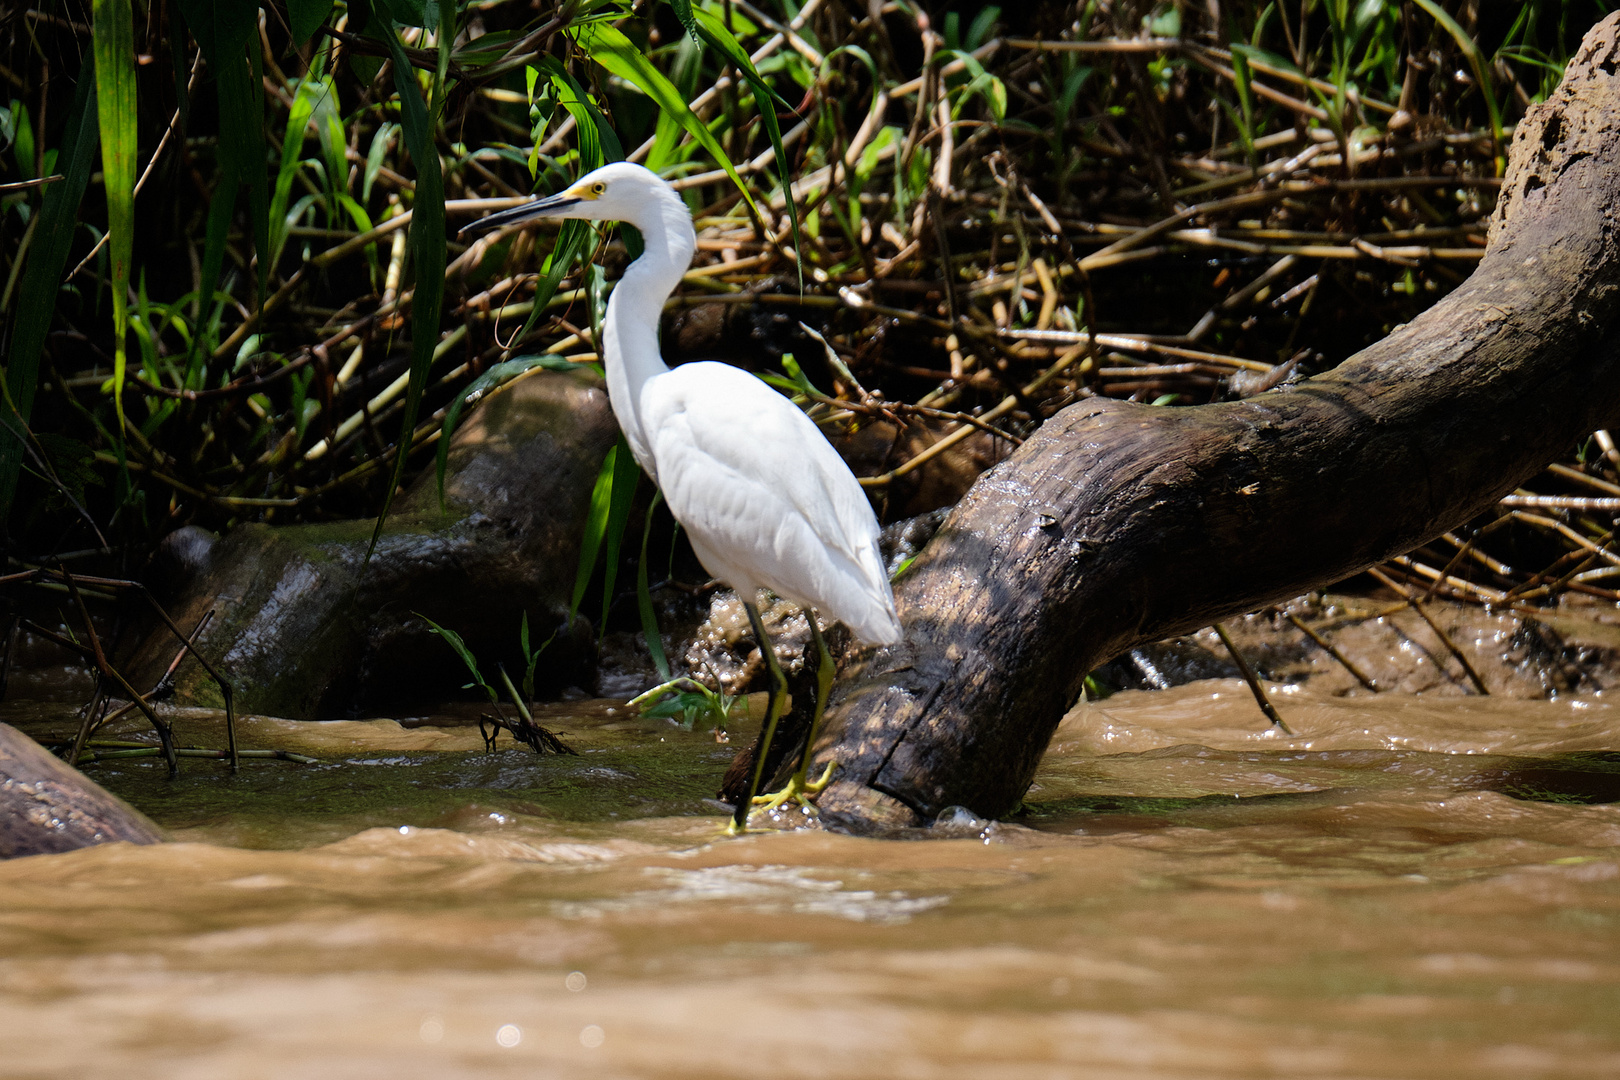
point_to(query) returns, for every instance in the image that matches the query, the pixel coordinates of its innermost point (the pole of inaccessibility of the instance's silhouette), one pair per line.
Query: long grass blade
(292, 149)
(597, 145)
(1476, 62)
(114, 35)
(454, 640)
(620, 57)
(715, 34)
(427, 254)
(221, 26)
(241, 144)
(304, 17)
(649, 618)
(595, 524)
(625, 474)
(36, 301)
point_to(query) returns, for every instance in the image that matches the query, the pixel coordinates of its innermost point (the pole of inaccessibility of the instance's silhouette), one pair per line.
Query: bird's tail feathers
(878, 625)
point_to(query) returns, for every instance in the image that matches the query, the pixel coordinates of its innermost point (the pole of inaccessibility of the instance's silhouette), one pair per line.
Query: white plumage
(765, 500)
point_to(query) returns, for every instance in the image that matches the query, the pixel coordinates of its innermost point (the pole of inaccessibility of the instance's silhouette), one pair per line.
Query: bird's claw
(798, 790)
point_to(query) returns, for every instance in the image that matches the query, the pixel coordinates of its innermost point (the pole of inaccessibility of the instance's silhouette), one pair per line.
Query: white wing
(765, 498)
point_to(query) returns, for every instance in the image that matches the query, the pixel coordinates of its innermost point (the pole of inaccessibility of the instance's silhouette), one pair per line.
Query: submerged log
(1117, 523)
(47, 806)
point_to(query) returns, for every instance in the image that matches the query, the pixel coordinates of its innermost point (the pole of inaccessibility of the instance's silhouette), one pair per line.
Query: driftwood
(47, 806)
(1117, 524)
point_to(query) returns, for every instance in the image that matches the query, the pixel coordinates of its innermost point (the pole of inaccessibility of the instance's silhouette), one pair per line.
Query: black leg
(825, 672)
(773, 712)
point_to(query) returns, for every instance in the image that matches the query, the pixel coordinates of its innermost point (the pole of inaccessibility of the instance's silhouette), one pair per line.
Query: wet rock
(901, 541)
(624, 667)
(47, 806)
(180, 557)
(305, 627)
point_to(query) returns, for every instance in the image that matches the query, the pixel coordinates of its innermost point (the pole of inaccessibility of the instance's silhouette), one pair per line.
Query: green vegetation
(231, 288)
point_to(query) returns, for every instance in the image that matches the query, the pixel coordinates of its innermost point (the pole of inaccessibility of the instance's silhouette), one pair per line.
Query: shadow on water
(1584, 779)
(1105, 813)
(1581, 779)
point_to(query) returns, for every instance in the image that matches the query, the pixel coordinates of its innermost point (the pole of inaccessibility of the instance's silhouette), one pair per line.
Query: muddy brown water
(1411, 887)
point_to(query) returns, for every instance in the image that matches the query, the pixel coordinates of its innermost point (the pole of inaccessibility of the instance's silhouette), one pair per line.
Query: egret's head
(621, 191)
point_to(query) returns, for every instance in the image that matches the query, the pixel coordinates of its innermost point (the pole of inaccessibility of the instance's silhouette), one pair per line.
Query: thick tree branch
(1118, 523)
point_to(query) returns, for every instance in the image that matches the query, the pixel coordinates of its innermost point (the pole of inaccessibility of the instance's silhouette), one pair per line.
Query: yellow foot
(798, 790)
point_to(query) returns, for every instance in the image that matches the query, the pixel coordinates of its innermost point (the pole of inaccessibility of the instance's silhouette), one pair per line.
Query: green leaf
(531, 658)
(1166, 25)
(1254, 52)
(983, 83)
(625, 474)
(1476, 61)
(570, 243)
(304, 17)
(114, 33)
(374, 157)
(683, 12)
(801, 381)
(453, 639)
(644, 605)
(714, 32)
(1367, 13)
(242, 153)
(598, 143)
(480, 387)
(19, 128)
(427, 255)
(292, 149)
(596, 293)
(446, 38)
(1245, 89)
(334, 141)
(70, 460)
(220, 208)
(983, 24)
(220, 26)
(36, 298)
(410, 12)
(615, 52)
(595, 525)
(868, 162)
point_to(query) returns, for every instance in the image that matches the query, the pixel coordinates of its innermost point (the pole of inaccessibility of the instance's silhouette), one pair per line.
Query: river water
(1409, 887)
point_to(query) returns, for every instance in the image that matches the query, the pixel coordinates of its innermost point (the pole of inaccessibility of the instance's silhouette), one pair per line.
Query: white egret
(765, 500)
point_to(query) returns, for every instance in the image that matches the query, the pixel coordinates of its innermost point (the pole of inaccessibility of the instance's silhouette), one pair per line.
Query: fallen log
(1117, 524)
(47, 806)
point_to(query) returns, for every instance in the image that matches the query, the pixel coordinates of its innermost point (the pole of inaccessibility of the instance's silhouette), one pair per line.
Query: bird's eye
(598, 188)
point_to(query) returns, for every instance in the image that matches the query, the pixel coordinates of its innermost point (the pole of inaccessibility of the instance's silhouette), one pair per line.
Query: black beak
(540, 208)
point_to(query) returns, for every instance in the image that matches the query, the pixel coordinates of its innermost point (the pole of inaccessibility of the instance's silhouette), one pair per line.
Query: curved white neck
(630, 328)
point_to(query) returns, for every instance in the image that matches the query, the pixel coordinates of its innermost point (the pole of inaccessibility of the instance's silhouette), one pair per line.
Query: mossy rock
(305, 626)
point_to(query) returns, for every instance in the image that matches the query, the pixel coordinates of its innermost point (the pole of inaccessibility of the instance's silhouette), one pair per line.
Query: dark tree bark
(47, 806)
(1118, 524)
